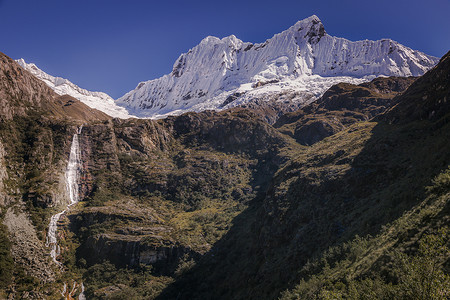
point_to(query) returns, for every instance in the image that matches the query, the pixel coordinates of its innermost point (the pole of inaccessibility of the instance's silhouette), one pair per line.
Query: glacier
(302, 60)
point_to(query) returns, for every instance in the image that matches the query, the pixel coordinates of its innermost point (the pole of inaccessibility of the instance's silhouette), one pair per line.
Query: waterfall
(72, 185)
(82, 296)
(73, 170)
(72, 181)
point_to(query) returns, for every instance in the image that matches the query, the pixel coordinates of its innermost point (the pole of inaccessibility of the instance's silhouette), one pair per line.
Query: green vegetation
(108, 282)
(379, 267)
(418, 276)
(35, 151)
(369, 180)
(220, 205)
(35, 156)
(6, 261)
(181, 195)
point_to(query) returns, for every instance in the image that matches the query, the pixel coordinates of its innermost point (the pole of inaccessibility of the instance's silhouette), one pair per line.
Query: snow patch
(61, 86)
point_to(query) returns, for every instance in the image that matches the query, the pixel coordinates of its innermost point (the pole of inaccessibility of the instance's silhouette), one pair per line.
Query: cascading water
(72, 181)
(72, 186)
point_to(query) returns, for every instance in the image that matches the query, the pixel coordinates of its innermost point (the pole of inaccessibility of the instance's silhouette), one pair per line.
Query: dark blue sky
(111, 45)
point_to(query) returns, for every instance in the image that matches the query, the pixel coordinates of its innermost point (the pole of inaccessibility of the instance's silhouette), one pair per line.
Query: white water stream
(72, 186)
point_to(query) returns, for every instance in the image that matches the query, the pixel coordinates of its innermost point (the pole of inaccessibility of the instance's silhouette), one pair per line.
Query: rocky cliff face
(147, 181)
(35, 130)
(3, 176)
(23, 94)
(20, 91)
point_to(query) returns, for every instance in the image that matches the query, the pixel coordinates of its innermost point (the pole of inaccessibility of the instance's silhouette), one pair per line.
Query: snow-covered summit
(61, 86)
(302, 59)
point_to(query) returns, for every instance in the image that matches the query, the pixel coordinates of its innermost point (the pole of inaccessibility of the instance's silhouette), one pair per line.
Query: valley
(323, 180)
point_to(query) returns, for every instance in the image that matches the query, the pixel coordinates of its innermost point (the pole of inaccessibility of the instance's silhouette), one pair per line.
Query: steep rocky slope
(35, 130)
(23, 95)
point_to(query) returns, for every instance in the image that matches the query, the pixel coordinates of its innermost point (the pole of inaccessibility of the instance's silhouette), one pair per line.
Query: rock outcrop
(341, 106)
(27, 250)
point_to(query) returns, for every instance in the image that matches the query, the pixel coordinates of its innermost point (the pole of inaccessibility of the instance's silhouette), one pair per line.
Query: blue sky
(110, 45)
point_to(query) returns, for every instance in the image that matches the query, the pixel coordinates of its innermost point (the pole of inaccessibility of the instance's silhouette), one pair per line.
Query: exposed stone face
(27, 250)
(21, 94)
(4, 199)
(36, 126)
(147, 156)
(19, 86)
(228, 130)
(142, 135)
(128, 250)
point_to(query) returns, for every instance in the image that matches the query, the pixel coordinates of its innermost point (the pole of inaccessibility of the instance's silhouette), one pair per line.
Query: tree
(421, 276)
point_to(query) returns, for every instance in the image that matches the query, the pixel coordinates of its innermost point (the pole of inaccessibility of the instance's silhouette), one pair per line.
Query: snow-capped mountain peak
(310, 27)
(61, 86)
(295, 67)
(302, 61)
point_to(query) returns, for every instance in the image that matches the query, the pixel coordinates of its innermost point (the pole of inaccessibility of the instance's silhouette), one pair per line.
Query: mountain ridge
(21, 93)
(62, 86)
(284, 73)
(302, 60)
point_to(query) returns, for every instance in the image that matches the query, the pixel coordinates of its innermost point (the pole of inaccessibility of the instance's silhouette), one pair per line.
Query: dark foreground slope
(342, 210)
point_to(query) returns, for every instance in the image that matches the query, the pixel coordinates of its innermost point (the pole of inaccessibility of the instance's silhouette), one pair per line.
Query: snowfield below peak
(61, 86)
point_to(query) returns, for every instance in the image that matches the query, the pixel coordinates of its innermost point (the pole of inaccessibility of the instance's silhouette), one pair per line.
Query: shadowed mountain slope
(341, 211)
